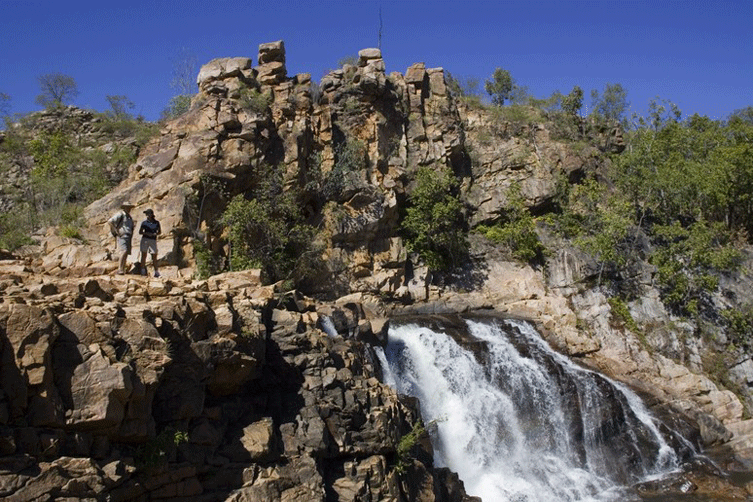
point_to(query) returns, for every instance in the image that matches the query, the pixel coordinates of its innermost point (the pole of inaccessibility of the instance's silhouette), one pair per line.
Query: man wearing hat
(149, 230)
(121, 227)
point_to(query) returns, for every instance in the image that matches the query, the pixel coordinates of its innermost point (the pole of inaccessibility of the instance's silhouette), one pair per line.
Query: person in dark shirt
(149, 230)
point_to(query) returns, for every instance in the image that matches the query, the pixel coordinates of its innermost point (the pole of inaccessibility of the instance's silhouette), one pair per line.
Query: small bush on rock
(266, 230)
(434, 224)
(516, 231)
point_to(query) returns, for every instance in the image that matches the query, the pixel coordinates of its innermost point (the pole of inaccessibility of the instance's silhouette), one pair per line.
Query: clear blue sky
(698, 54)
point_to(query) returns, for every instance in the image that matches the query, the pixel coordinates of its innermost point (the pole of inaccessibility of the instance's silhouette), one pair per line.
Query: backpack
(117, 223)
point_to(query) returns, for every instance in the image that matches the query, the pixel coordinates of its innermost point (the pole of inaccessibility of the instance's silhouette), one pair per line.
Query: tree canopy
(56, 89)
(500, 86)
(4, 104)
(611, 104)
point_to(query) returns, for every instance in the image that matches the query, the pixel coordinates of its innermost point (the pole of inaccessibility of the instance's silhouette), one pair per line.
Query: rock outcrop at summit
(246, 116)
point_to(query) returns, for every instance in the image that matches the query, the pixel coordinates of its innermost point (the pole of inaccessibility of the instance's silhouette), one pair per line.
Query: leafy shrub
(15, 229)
(599, 222)
(621, 313)
(64, 174)
(207, 263)
(253, 100)
(121, 126)
(267, 230)
(434, 222)
(740, 326)
(70, 231)
(350, 157)
(688, 259)
(516, 114)
(467, 88)
(157, 450)
(406, 444)
(517, 230)
(177, 106)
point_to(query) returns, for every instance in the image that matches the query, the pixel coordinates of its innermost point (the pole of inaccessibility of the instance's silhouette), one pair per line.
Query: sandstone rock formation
(102, 376)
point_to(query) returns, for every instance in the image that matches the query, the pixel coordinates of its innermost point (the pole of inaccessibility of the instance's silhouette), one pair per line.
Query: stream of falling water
(520, 422)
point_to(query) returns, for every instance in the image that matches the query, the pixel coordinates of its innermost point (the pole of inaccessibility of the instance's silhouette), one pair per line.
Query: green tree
(56, 90)
(516, 230)
(745, 114)
(434, 222)
(4, 104)
(573, 102)
(500, 86)
(183, 83)
(266, 229)
(689, 170)
(612, 104)
(468, 88)
(119, 106)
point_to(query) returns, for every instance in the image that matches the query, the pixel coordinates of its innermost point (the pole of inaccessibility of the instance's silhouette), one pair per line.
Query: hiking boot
(156, 274)
(143, 272)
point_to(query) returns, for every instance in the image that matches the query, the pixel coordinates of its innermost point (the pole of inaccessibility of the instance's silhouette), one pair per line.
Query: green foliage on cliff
(679, 196)
(740, 326)
(690, 170)
(177, 106)
(689, 184)
(466, 88)
(119, 123)
(253, 100)
(406, 445)
(516, 230)
(266, 230)
(56, 89)
(611, 105)
(434, 224)
(500, 86)
(158, 449)
(65, 169)
(688, 260)
(350, 157)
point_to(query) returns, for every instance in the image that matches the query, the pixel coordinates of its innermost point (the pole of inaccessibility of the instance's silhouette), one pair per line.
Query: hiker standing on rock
(149, 230)
(121, 227)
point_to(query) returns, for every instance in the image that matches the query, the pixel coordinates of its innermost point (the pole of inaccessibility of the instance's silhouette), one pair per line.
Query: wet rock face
(220, 389)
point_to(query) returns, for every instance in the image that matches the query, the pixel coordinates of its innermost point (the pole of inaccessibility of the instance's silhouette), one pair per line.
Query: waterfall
(328, 326)
(520, 422)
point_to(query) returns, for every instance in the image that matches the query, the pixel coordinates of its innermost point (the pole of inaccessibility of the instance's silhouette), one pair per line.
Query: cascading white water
(328, 326)
(528, 424)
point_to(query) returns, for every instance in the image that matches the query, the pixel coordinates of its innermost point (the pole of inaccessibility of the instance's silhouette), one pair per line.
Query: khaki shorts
(124, 244)
(148, 246)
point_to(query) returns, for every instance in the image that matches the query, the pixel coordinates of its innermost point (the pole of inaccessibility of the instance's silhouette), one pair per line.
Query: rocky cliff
(130, 388)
